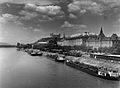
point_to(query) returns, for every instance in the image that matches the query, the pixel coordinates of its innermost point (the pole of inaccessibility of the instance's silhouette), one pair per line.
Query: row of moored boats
(102, 72)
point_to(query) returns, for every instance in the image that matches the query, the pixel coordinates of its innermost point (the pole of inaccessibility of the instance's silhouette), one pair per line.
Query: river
(20, 70)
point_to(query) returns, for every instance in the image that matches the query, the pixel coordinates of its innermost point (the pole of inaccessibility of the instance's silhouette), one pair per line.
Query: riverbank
(85, 59)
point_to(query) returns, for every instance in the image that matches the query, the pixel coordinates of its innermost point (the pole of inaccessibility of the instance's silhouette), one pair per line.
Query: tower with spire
(101, 35)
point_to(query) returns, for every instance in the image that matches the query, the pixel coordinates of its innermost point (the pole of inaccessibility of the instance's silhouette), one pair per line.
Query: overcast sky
(29, 20)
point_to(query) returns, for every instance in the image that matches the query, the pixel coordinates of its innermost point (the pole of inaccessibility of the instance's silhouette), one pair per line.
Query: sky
(27, 21)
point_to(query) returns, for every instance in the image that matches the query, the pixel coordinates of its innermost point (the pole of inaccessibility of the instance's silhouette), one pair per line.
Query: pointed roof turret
(114, 37)
(101, 33)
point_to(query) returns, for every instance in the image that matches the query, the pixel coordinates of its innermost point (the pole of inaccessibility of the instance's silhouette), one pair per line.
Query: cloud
(30, 6)
(72, 16)
(2, 19)
(36, 30)
(83, 11)
(111, 3)
(67, 25)
(73, 26)
(9, 18)
(83, 6)
(82, 26)
(51, 10)
(45, 18)
(45, 12)
(28, 15)
(116, 25)
(42, 2)
(45, 9)
(73, 7)
(119, 20)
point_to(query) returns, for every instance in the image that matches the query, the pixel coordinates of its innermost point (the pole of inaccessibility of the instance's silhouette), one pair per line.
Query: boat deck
(98, 63)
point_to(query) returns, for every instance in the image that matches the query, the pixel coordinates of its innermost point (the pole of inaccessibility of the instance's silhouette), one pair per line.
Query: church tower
(101, 35)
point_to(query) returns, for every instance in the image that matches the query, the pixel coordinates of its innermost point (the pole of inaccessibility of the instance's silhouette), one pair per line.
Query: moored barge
(101, 72)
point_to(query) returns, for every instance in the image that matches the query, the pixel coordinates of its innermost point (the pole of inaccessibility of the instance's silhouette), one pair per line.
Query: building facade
(96, 42)
(102, 41)
(71, 42)
(91, 40)
(76, 40)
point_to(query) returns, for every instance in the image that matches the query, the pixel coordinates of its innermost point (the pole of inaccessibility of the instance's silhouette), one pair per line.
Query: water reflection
(19, 70)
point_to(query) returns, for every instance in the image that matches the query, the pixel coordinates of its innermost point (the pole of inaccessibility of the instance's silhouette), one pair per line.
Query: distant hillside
(2, 44)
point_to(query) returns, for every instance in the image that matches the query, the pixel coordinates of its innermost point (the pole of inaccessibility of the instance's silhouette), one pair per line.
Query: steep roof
(101, 35)
(96, 39)
(114, 37)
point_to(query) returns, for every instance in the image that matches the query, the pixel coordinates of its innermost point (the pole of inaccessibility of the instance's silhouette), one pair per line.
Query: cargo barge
(95, 71)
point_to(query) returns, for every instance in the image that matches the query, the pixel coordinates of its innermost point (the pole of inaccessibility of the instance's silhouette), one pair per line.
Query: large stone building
(71, 41)
(102, 41)
(76, 39)
(91, 40)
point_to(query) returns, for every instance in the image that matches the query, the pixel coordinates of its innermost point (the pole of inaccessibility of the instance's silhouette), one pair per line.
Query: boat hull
(62, 61)
(36, 54)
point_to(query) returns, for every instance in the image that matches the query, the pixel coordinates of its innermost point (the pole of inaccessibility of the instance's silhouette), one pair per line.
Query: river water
(20, 70)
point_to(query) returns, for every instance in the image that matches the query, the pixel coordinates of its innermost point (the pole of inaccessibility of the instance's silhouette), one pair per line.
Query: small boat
(60, 58)
(33, 54)
(56, 57)
(52, 56)
(39, 53)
